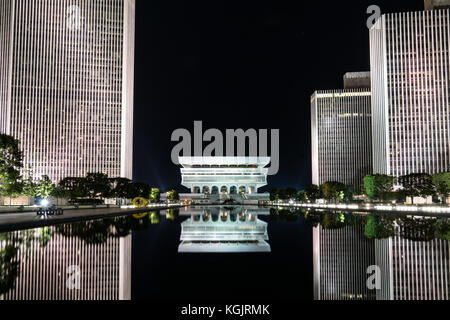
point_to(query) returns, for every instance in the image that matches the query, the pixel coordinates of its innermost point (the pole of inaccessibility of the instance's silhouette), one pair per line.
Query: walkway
(28, 220)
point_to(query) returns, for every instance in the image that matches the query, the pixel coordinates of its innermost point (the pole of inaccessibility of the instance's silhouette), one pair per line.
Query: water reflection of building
(44, 269)
(413, 270)
(224, 230)
(341, 259)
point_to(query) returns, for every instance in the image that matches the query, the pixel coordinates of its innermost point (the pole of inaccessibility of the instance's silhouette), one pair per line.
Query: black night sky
(242, 64)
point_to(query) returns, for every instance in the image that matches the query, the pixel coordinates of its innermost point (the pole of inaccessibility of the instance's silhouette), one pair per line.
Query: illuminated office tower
(66, 267)
(341, 258)
(410, 70)
(413, 270)
(341, 132)
(66, 84)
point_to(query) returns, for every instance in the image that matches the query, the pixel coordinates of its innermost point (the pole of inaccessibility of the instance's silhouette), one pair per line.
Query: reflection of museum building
(223, 230)
(237, 178)
(44, 269)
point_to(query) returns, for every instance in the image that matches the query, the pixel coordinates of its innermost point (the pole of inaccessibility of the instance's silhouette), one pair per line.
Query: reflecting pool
(243, 252)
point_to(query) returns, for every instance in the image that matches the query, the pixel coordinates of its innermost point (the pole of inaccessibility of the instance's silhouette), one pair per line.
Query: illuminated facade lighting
(410, 86)
(341, 135)
(66, 84)
(224, 175)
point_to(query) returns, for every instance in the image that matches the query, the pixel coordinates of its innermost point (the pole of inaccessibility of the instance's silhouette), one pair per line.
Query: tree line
(93, 188)
(377, 187)
(331, 191)
(376, 226)
(381, 187)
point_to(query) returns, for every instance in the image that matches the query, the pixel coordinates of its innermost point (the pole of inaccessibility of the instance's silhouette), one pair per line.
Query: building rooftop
(436, 4)
(357, 80)
(189, 162)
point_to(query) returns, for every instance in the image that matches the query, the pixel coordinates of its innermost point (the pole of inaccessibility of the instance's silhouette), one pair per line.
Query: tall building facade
(410, 70)
(66, 84)
(341, 260)
(341, 132)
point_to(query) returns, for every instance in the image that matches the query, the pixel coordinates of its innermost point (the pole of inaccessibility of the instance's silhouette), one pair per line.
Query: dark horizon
(242, 65)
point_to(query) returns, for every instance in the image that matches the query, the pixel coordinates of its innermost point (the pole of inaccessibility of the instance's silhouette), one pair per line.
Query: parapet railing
(366, 207)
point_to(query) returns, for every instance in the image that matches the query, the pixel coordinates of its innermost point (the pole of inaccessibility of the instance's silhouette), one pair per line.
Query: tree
(313, 192)
(11, 158)
(44, 187)
(72, 188)
(96, 185)
(28, 186)
(377, 185)
(350, 191)
(173, 195)
(121, 188)
(290, 193)
(333, 190)
(155, 195)
(302, 196)
(417, 185)
(275, 195)
(140, 190)
(441, 183)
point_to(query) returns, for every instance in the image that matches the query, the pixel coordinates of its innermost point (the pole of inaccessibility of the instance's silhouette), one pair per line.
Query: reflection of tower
(224, 230)
(341, 259)
(45, 270)
(413, 270)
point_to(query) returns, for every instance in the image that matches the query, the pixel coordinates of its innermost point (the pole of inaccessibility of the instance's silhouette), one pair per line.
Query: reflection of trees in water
(10, 245)
(380, 226)
(91, 232)
(377, 226)
(425, 229)
(9, 267)
(283, 215)
(99, 231)
(314, 218)
(172, 214)
(443, 229)
(417, 229)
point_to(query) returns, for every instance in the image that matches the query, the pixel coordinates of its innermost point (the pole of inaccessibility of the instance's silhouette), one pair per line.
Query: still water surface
(223, 253)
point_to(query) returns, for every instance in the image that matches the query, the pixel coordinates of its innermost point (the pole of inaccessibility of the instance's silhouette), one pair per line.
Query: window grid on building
(66, 87)
(410, 86)
(341, 136)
